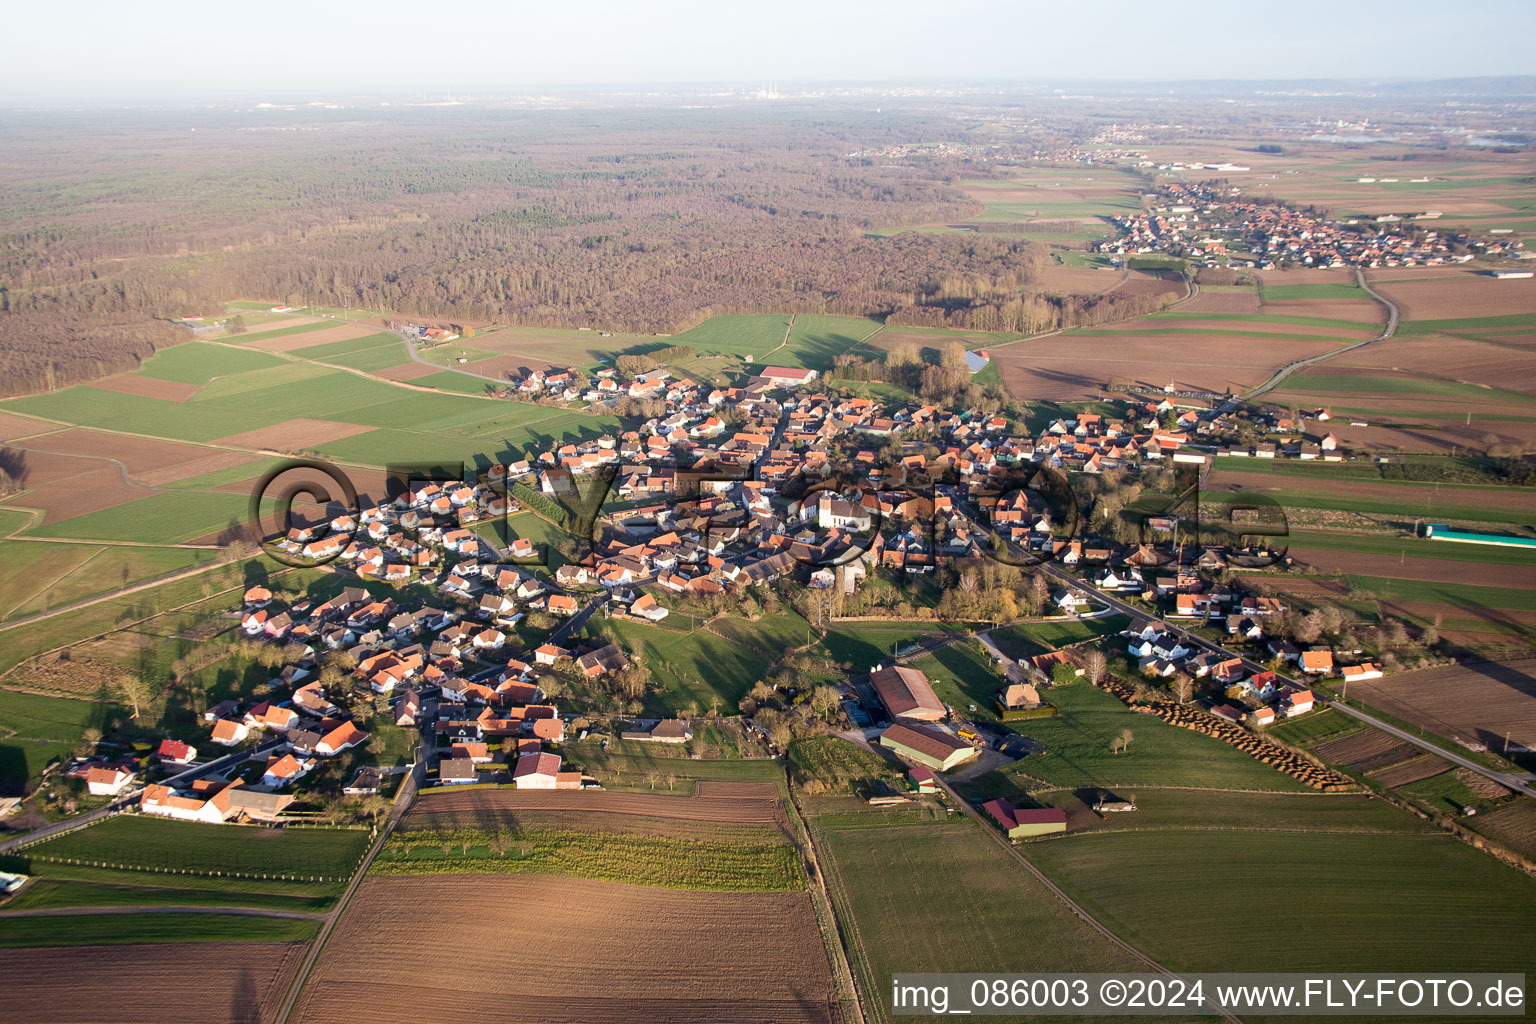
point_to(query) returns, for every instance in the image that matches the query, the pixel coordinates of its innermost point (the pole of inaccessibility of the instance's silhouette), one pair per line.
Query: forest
(624, 220)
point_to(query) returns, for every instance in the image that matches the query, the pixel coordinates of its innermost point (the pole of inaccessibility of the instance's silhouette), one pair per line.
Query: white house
(107, 781)
(228, 732)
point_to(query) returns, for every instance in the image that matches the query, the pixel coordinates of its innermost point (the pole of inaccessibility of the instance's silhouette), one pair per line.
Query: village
(452, 634)
(1211, 221)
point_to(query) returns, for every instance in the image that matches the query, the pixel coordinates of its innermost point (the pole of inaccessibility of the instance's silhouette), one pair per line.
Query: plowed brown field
(65, 486)
(150, 462)
(304, 339)
(164, 983)
(1435, 570)
(543, 950)
(1077, 366)
(705, 814)
(294, 434)
(1472, 700)
(1207, 301)
(1469, 295)
(146, 387)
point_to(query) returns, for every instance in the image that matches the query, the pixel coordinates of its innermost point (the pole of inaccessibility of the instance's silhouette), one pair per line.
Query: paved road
(1391, 329)
(403, 800)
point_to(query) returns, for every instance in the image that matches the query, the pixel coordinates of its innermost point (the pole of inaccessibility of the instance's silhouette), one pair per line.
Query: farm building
(1019, 822)
(786, 376)
(928, 747)
(1440, 531)
(673, 730)
(906, 693)
(923, 780)
(536, 771)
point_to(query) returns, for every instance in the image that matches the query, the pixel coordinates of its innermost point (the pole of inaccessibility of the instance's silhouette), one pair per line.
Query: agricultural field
(87, 929)
(36, 730)
(1162, 810)
(1375, 901)
(587, 951)
(1084, 363)
(660, 767)
(148, 844)
(1477, 701)
(1077, 753)
(950, 883)
(241, 982)
(745, 810)
(634, 858)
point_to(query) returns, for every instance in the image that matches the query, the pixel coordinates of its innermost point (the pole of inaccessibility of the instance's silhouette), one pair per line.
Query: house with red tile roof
(176, 752)
(228, 732)
(536, 771)
(282, 771)
(343, 736)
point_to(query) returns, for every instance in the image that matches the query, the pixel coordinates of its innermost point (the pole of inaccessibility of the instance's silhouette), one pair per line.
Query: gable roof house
(107, 781)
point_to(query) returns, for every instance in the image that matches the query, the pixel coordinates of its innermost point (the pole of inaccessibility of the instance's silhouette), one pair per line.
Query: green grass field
(169, 517)
(630, 766)
(1284, 292)
(132, 841)
(1336, 902)
(861, 644)
(1318, 727)
(66, 627)
(816, 340)
(754, 336)
(945, 897)
(1412, 547)
(688, 668)
(197, 362)
(52, 890)
(1077, 752)
(117, 929)
(1456, 595)
(38, 575)
(1268, 318)
(36, 730)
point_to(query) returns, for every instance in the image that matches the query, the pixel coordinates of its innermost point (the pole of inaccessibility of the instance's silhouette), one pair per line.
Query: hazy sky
(112, 51)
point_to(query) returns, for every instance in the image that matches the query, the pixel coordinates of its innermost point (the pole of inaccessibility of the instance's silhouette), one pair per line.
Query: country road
(1391, 329)
(403, 800)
